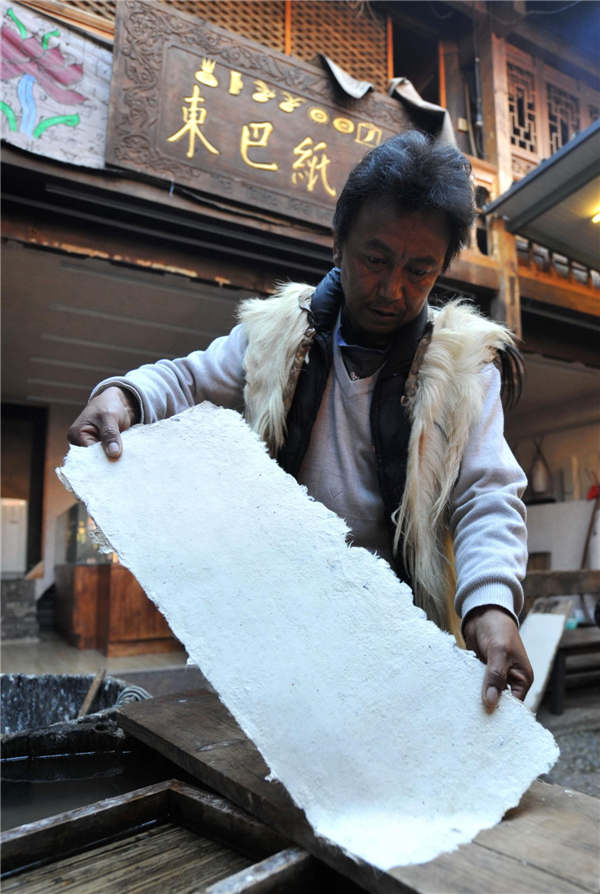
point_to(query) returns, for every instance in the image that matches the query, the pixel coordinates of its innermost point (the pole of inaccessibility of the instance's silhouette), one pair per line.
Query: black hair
(418, 175)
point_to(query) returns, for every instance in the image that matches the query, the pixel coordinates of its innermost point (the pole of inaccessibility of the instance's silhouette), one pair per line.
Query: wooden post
(442, 75)
(506, 306)
(452, 89)
(389, 43)
(288, 28)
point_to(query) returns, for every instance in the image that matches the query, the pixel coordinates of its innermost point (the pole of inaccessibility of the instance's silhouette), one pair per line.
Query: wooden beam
(560, 343)
(288, 28)
(559, 53)
(561, 583)
(121, 183)
(389, 38)
(103, 243)
(473, 269)
(95, 25)
(410, 23)
(505, 306)
(527, 34)
(452, 88)
(442, 74)
(559, 292)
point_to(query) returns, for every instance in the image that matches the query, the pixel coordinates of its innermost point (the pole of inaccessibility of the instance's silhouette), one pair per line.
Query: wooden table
(581, 641)
(103, 607)
(549, 843)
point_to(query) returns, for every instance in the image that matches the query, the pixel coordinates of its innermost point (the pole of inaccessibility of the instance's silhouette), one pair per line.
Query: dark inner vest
(390, 421)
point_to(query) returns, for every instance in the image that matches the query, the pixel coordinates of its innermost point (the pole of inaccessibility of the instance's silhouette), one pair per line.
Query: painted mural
(54, 88)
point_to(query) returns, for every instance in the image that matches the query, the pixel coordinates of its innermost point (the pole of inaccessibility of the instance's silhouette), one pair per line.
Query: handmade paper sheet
(368, 714)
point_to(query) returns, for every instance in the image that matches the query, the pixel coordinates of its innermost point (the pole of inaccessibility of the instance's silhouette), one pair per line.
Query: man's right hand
(105, 416)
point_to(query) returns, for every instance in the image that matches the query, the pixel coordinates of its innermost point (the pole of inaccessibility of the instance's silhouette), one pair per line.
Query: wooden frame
(278, 866)
(543, 75)
(546, 843)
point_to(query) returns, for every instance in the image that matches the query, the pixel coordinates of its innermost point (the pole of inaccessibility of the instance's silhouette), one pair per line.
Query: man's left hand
(492, 634)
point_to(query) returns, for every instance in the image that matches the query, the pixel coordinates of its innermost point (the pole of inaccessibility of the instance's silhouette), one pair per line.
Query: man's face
(389, 264)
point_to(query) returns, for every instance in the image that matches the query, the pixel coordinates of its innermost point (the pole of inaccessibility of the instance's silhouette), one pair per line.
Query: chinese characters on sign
(234, 120)
(305, 164)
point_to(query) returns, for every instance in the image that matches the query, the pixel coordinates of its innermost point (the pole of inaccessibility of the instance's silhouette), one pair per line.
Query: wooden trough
(174, 837)
(169, 837)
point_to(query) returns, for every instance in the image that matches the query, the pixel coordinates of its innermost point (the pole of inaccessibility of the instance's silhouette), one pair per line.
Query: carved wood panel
(200, 106)
(563, 116)
(521, 108)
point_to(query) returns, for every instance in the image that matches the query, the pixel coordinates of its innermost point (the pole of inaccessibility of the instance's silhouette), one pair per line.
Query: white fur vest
(443, 393)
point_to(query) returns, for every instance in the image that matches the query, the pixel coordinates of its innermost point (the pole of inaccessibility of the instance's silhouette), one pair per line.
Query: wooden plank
(200, 811)
(292, 870)
(558, 291)
(94, 24)
(54, 835)
(541, 638)
(561, 583)
(555, 829)
(199, 734)
(581, 640)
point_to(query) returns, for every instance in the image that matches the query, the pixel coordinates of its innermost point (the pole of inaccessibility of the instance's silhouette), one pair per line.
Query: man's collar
(327, 301)
(405, 343)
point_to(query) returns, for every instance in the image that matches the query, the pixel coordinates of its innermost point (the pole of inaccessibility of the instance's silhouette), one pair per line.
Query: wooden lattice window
(255, 19)
(563, 116)
(350, 33)
(521, 108)
(106, 9)
(545, 109)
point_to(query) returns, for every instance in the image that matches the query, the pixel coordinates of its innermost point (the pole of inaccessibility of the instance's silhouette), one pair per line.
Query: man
(387, 411)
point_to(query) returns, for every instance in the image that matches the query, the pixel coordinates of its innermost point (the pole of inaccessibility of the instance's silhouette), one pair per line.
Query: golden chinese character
(194, 117)
(256, 135)
(206, 73)
(368, 134)
(319, 116)
(236, 84)
(290, 102)
(343, 125)
(263, 92)
(308, 166)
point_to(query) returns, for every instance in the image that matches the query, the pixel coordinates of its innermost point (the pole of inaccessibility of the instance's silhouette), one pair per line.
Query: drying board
(548, 843)
(541, 632)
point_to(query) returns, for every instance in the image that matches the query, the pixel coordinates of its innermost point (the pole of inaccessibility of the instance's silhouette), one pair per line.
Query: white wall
(14, 536)
(56, 498)
(571, 454)
(561, 529)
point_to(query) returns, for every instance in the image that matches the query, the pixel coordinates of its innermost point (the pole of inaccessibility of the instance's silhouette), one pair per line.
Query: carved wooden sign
(197, 105)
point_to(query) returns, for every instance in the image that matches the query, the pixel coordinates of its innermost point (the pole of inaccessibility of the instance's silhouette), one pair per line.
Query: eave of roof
(553, 205)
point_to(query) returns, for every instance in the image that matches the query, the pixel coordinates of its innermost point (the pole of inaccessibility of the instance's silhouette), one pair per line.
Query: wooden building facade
(119, 261)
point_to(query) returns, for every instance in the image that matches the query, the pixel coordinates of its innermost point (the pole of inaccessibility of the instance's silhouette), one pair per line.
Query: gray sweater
(487, 517)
